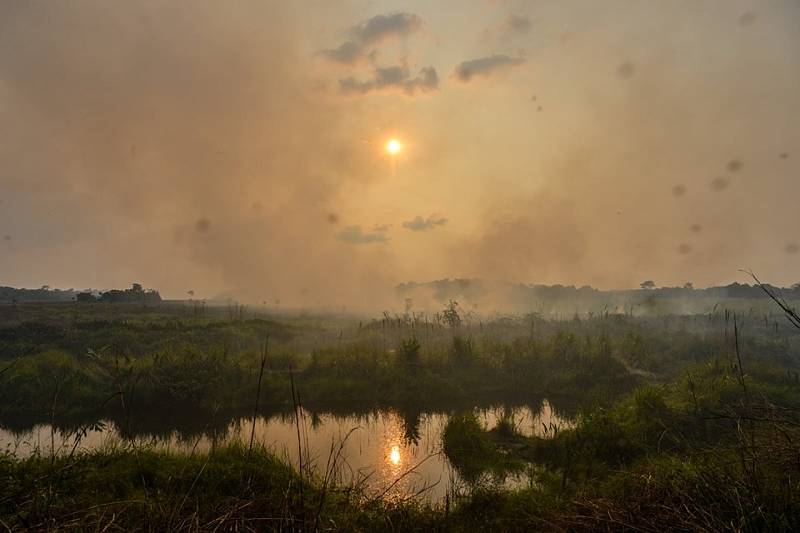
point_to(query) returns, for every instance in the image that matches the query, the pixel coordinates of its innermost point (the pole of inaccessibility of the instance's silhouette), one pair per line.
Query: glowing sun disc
(393, 146)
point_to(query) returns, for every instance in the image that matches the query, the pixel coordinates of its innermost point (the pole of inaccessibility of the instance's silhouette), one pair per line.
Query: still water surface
(391, 455)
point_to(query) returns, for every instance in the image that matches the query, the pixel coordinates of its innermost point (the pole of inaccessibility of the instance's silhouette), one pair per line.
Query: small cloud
(421, 224)
(679, 190)
(626, 71)
(485, 66)
(372, 32)
(684, 249)
(202, 225)
(519, 23)
(356, 235)
(393, 78)
(792, 248)
(720, 184)
(347, 53)
(381, 27)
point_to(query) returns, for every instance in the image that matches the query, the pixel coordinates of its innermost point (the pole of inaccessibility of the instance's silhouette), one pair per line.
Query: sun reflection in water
(394, 455)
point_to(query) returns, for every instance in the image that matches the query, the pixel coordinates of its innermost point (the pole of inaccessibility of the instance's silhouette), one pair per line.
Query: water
(391, 455)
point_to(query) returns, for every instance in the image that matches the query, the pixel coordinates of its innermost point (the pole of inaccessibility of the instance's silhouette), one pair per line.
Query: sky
(239, 147)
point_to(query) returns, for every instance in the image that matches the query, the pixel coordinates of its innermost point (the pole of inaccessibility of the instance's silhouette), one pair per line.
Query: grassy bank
(716, 450)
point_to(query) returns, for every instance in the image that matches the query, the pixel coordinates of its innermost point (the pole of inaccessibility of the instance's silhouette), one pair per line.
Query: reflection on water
(527, 422)
(393, 455)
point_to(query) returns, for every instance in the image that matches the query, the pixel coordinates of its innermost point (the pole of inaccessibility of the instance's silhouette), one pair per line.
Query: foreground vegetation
(682, 422)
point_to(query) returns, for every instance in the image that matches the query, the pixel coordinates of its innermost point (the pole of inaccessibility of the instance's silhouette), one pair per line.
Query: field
(687, 420)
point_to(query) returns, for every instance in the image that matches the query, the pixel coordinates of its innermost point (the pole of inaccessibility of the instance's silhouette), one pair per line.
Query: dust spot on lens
(695, 228)
(792, 248)
(734, 165)
(784, 155)
(257, 207)
(626, 71)
(719, 184)
(6, 237)
(684, 248)
(679, 190)
(747, 18)
(202, 225)
(332, 218)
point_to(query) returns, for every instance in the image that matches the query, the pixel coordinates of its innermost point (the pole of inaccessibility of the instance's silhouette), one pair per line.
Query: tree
(688, 285)
(450, 315)
(649, 284)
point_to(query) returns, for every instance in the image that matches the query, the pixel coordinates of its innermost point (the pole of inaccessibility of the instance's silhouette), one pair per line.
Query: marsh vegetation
(134, 415)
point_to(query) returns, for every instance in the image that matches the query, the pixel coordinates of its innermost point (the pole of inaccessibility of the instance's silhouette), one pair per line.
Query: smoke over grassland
(209, 146)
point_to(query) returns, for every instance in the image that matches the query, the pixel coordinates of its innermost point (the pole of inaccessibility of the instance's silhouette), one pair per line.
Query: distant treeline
(485, 295)
(45, 294)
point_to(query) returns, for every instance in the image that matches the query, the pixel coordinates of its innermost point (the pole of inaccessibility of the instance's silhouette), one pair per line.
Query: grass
(232, 487)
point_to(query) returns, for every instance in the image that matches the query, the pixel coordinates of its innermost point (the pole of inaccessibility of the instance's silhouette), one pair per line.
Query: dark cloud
(202, 225)
(371, 32)
(393, 79)
(626, 71)
(720, 184)
(348, 52)
(519, 23)
(381, 27)
(356, 235)
(421, 224)
(485, 66)
(679, 190)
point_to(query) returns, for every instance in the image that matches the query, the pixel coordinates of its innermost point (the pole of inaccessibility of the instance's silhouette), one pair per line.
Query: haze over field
(241, 146)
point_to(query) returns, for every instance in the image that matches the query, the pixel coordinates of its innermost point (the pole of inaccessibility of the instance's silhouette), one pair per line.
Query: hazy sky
(239, 146)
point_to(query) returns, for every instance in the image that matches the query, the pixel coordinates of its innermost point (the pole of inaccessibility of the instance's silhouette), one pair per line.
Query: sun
(393, 146)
